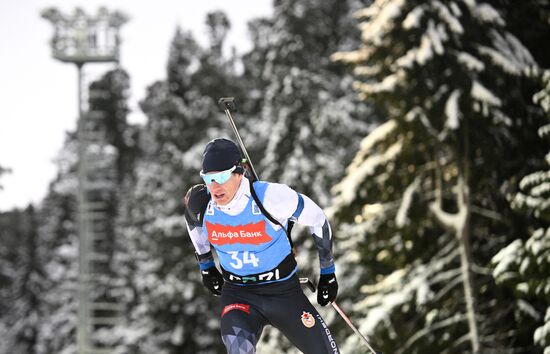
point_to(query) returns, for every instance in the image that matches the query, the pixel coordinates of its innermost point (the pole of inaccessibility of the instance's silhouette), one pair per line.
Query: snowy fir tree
(109, 95)
(524, 264)
(423, 207)
(307, 97)
(58, 257)
(21, 281)
(169, 305)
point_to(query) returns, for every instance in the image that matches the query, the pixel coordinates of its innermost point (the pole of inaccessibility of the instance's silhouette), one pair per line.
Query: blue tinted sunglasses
(218, 177)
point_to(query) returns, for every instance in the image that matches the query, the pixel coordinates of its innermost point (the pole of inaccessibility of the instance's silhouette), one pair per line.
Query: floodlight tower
(80, 38)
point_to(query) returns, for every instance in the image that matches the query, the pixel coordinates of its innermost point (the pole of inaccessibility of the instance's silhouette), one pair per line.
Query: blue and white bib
(248, 244)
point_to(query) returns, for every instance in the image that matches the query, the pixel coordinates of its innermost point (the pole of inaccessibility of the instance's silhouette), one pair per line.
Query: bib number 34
(247, 258)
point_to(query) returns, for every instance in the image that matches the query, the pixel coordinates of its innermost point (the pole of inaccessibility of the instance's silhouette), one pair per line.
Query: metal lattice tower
(82, 39)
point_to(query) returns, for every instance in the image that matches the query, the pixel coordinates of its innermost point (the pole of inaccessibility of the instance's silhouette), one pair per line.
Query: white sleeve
(199, 239)
(280, 201)
(283, 203)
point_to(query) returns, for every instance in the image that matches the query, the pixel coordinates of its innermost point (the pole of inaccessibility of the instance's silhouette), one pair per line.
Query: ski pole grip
(309, 283)
(227, 103)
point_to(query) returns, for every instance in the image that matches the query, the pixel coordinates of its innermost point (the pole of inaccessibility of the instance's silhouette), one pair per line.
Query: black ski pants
(246, 309)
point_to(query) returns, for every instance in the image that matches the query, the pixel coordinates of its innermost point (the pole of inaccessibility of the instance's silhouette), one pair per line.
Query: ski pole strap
(286, 268)
(269, 216)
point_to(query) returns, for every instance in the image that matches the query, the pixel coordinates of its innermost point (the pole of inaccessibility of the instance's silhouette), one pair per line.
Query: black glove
(327, 289)
(213, 280)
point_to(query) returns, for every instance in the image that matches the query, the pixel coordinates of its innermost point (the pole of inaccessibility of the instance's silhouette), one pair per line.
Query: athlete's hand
(213, 280)
(327, 289)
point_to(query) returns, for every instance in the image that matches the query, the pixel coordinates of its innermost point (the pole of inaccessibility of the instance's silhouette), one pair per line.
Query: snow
(486, 13)
(447, 16)
(362, 164)
(512, 47)
(527, 308)
(451, 110)
(401, 217)
(472, 63)
(455, 9)
(350, 184)
(437, 36)
(380, 313)
(504, 258)
(407, 60)
(544, 130)
(524, 265)
(542, 334)
(67, 185)
(543, 97)
(432, 41)
(413, 18)
(384, 303)
(387, 85)
(357, 56)
(363, 70)
(539, 242)
(425, 51)
(414, 113)
(382, 14)
(177, 335)
(170, 224)
(510, 54)
(482, 94)
(533, 179)
(541, 190)
(522, 288)
(377, 135)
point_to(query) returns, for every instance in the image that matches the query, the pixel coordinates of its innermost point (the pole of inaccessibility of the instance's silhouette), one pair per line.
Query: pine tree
(109, 97)
(313, 121)
(169, 305)
(58, 257)
(216, 75)
(523, 265)
(528, 21)
(423, 204)
(182, 57)
(21, 279)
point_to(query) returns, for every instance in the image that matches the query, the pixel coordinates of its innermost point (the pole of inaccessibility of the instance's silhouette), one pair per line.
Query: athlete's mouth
(219, 195)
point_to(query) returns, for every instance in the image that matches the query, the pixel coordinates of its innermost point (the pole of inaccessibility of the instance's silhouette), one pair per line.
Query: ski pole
(311, 287)
(228, 105)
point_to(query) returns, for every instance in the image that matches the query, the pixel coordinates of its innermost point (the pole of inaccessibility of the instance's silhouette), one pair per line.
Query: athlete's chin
(220, 199)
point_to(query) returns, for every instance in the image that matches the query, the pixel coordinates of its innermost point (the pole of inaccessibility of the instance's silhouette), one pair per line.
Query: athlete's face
(224, 193)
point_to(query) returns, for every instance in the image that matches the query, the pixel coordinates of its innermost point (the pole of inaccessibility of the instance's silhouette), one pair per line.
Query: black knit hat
(219, 155)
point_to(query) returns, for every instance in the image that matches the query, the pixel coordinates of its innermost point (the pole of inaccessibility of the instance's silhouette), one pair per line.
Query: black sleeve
(196, 200)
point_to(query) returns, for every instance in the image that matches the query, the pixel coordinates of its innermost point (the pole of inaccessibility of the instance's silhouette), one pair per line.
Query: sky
(38, 94)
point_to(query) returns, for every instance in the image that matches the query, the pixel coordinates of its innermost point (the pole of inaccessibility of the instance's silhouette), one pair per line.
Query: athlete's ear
(239, 169)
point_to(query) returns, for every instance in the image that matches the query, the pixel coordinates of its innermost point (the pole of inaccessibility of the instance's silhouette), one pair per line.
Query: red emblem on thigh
(240, 307)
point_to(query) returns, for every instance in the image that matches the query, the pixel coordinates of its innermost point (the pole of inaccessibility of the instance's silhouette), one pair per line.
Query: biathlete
(245, 222)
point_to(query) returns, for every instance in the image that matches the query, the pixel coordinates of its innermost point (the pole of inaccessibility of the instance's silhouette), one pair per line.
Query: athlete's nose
(215, 187)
